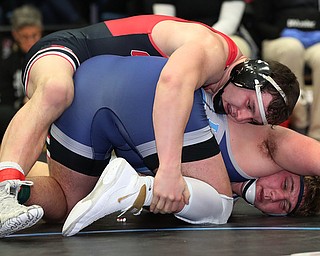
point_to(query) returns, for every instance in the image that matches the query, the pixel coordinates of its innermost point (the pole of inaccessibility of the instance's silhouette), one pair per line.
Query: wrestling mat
(248, 232)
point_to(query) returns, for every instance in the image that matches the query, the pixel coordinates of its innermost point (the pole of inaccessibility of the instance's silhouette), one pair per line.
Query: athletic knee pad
(206, 205)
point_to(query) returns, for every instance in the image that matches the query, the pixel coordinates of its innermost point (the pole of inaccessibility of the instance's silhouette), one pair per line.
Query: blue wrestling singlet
(112, 110)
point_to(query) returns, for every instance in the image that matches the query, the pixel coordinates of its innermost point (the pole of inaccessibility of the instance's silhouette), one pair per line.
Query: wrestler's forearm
(23, 141)
(25, 137)
(171, 111)
(169, 126)
(173, 102)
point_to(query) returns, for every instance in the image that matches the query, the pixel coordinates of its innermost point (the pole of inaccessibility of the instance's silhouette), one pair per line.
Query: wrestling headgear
(249, 195)
(249, 191)
(252, 75)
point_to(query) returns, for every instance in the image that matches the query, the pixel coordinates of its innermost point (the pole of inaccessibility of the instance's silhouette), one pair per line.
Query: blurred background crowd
(287, 31)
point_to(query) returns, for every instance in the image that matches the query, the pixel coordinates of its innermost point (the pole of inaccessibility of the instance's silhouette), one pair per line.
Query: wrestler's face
(277, 193)
(242, 104)
(27, 36)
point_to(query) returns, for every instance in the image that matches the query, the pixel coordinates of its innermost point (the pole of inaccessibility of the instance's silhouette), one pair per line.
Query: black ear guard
(217, 101)
(247, 74)
(252, 75)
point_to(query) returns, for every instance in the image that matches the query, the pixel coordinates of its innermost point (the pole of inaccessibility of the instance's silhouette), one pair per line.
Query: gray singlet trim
(232, 159)
(190, 138)
(70, 143)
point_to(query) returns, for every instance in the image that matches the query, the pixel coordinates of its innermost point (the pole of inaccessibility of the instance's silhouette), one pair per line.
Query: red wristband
(11, 174)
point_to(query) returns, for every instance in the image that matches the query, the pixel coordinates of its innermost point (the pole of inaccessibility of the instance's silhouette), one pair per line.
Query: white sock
(206, 205)
(148, 181)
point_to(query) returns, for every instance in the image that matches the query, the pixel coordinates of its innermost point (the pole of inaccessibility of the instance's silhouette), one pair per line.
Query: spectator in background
(26, 30)
(223, 15)
(54, 12)
(289, 32)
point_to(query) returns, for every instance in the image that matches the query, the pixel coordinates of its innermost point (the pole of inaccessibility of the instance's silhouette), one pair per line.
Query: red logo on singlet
(139, 53)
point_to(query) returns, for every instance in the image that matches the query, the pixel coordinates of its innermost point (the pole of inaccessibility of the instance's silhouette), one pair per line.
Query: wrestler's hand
(170, 193)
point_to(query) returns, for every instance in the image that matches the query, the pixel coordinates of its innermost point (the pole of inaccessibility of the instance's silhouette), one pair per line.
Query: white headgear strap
(260, 102)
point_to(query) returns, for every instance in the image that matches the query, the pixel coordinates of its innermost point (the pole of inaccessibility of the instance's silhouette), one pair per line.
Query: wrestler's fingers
(171, 207)
(186, 195)
(167, 207)
(154, 203)
(177, 206)
(159, 207)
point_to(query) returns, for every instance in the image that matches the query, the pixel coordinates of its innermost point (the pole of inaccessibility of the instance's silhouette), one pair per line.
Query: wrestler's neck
(215, 87)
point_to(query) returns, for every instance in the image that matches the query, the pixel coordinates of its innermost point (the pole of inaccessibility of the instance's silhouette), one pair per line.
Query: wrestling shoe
(14, 216)
(119, 188)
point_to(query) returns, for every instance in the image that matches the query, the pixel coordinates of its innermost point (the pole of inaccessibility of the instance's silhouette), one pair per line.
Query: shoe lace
(12, 187)
(9, 204)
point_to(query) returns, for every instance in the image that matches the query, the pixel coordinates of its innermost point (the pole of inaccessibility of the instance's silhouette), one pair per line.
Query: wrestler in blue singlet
(112, 110)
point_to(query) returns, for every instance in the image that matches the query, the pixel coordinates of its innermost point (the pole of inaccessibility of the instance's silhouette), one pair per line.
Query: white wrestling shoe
(14, 216)
(119, 188)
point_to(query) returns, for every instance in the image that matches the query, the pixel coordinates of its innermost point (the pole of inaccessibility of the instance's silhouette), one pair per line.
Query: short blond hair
(26, 15)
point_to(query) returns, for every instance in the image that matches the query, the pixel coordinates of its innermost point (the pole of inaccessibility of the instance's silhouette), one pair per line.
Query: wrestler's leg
(121, 188)
(51, 90)
(206, 205)
(210, 192)
(59, 192)
(211, 171)
(205, 201)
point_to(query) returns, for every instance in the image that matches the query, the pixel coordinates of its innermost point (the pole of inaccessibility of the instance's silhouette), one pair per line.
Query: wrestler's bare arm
(192, 64)
(264, 150)
(25, 137)
(294, 152)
